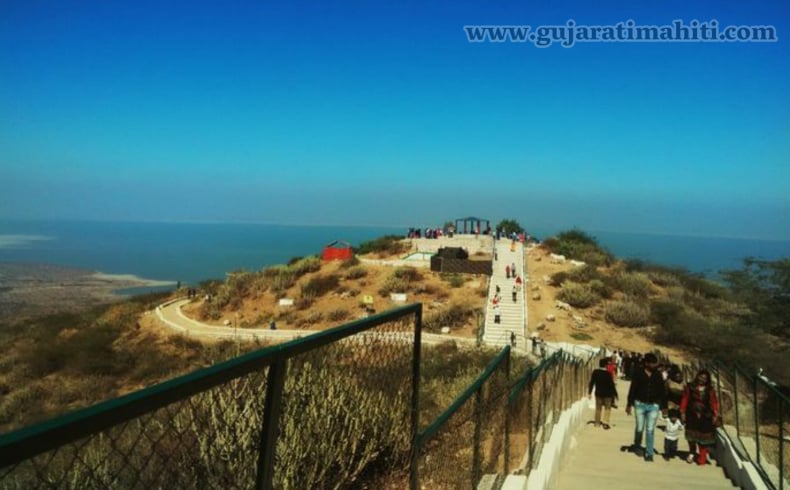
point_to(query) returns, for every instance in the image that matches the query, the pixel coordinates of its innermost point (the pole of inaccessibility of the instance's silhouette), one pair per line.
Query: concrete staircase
(512, 314)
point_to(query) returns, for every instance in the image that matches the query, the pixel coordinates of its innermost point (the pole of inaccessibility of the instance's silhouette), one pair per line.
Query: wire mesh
(207, 440)
(345, 420)
(471, 442)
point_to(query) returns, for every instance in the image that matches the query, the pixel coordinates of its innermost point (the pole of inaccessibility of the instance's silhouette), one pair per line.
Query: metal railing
(757, 413)
(337, 409)
(498, 425)
(334, 407)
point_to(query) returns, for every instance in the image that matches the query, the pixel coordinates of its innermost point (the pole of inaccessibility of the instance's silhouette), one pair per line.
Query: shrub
(664, 312)
(356, 272)
(409, 274)
(635, 284)
(304, 266)
(352, 262)
(454, 280)
(627, 313)
(585, 273)
(400, 280)
(663, 279)
(558, 278)
(601, 288)
(578, 295)
(319, 285)
(452, 316)
(389, 244)
(581, 336)
(338, 315)
(576, 244)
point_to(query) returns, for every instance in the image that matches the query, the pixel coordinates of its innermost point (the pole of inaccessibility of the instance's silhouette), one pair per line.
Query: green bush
(635, 284)
(454, 280)
(409, 274)
(584, 273)
(578, 295)
(601, 288)
(559, 278)
(627, 313)
(578, 245)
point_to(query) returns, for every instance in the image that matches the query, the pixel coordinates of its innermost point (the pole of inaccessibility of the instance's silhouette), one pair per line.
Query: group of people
(689, 407)
(427, 233)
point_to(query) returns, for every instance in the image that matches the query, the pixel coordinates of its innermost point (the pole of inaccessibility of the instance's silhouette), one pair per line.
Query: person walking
(605, 393)
(497, 318)
(507, 271)
(647, 395)
(515, 293)
(699, 411)
(671, 434)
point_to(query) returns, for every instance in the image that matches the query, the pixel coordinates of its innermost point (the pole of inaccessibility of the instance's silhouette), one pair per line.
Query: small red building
(338, 250)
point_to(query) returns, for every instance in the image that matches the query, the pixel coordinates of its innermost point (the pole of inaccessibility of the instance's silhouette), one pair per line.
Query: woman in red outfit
(699, 410)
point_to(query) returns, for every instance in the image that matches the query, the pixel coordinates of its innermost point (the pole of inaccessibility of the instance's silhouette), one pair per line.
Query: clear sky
(383, 113)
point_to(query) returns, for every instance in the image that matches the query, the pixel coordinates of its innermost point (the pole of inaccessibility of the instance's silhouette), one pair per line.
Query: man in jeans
(648, 395)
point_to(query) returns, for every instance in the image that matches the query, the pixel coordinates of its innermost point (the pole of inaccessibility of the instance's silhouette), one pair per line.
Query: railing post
(415, 401)
(271, 424)
(478, 417)
(507, 415)
(530, 425)
(735, 394)
(755, 380)
(781, 442)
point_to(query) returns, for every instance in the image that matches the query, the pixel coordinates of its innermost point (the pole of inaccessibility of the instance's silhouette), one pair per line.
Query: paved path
(513, 313)
(598, 462)
(170, 314)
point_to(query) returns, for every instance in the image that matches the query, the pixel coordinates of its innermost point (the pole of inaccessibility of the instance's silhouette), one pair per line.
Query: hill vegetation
(60, 362)
(744, 318)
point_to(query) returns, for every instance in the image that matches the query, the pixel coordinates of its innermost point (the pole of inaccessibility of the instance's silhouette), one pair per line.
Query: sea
(194, 252)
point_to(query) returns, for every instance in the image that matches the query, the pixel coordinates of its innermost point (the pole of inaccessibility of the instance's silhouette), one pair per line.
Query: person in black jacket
(648, 395)
(605, 393)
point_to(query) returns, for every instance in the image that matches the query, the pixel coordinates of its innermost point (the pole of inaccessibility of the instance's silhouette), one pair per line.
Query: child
(671, 434)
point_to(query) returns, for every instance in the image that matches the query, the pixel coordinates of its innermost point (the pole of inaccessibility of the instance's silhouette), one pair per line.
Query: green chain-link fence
(757, 414)
(333, 410)
(338, 409)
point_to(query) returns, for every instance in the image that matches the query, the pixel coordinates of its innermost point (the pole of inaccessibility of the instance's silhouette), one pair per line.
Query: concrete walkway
(512, 313)
(170, 314)
(598, 461)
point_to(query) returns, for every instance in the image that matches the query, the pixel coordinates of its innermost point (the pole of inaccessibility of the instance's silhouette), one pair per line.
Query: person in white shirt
(671, 434)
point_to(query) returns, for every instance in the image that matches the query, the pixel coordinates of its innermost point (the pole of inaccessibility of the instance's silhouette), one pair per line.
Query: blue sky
(383, 113)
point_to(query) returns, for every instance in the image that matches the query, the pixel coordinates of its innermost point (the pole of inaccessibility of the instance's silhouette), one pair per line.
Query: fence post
(755, 380)
(415, 401)
(735, 394)
(271, 424)
(507, 414)
(781, 442)
(476, 443)
(530, 425)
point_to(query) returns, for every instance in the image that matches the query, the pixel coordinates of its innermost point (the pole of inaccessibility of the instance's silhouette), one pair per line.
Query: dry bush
(578, 295)
(627, 313)
(634, 284)
(356, 272)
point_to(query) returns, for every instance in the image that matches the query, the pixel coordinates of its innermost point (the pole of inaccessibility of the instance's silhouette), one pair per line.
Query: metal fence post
(781, 443)
(506, 407)
(271, 424)
(735, 394)
(755, 380)
(415, 401)
(476, 443)
(530, 425)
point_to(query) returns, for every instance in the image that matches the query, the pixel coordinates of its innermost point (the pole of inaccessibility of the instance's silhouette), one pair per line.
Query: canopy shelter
(472, 224)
